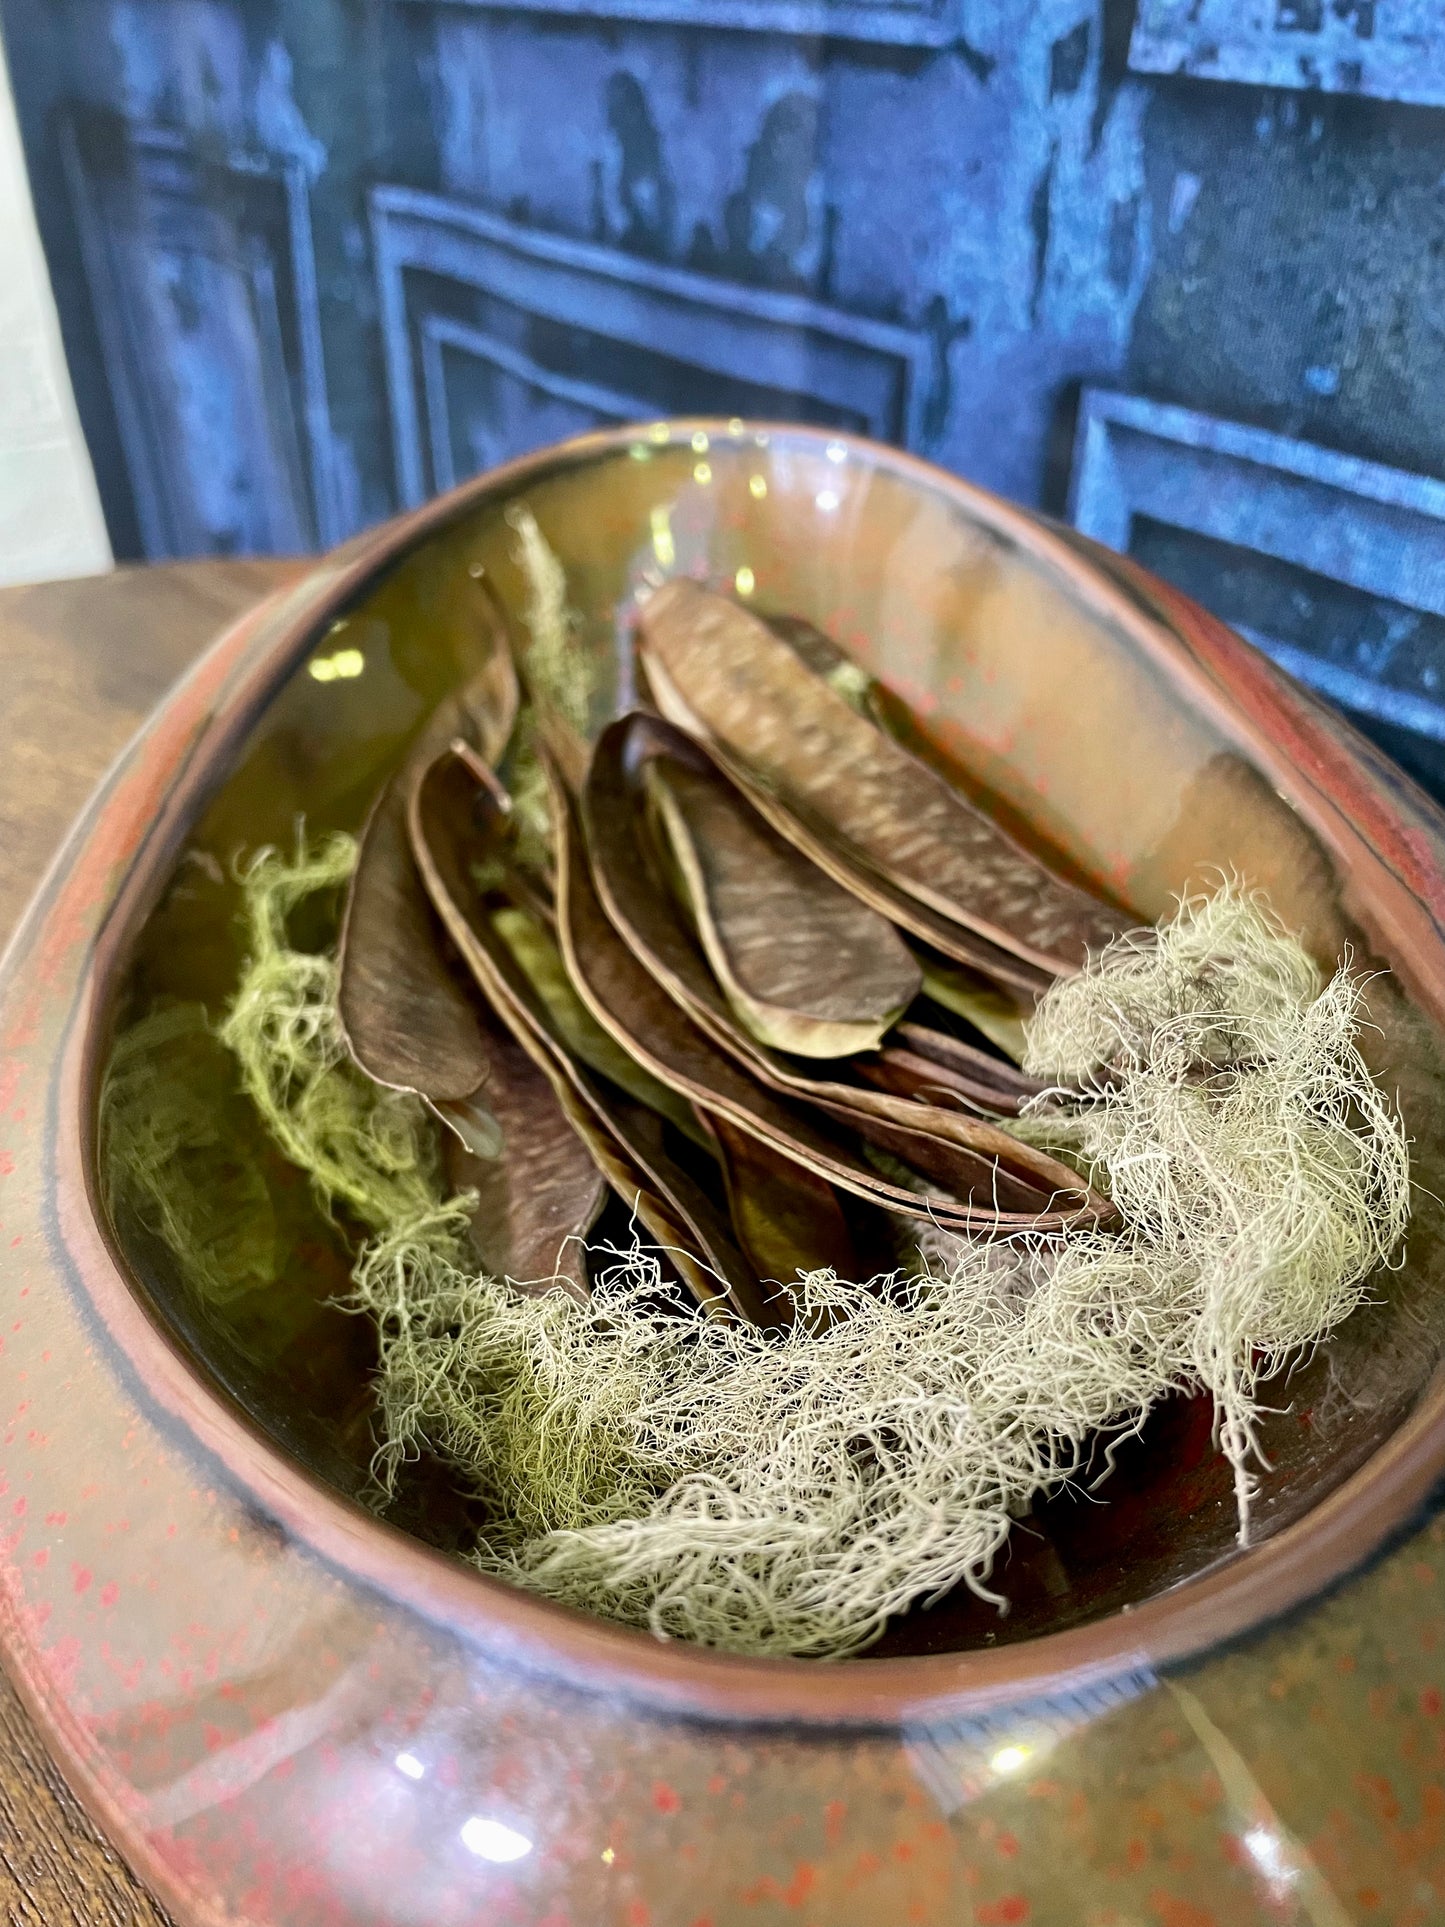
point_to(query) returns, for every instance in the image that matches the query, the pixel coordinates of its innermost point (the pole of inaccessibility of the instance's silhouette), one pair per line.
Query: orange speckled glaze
(286, 1712)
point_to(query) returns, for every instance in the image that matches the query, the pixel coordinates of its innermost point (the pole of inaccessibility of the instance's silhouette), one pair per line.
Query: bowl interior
(1027, 683)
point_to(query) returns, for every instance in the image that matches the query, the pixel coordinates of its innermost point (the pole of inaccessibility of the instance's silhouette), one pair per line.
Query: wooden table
(81, 666)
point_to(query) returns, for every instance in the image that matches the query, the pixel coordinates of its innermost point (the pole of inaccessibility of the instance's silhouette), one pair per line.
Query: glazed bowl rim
(1243, 1590)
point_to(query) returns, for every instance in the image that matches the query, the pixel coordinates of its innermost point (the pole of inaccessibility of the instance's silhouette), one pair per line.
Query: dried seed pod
(823, 656)
(967, 1060)
(455, 824)
(718, 671)
(997, 1011)
(871, 698)
(959, 958)
(942, 940)
(947, 1179)
(805, 965)
(408, 1011)
(533, 945)
(985, 1175)
(788, 1220)
(1016, 979)
(933, 1083)
(539, 1194)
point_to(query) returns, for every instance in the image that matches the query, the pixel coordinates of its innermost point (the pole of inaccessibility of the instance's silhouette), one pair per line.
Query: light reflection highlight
(410, 1765)
(495, 1841)
(702, 473)
(1269, 1854)
(745, 581)
(757, 487)
(1009, 1759)
(699, 443)
(340, 667)
(663, 546)
(827, 500)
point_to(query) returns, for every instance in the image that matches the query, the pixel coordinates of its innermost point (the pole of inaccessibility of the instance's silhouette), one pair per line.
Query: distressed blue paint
(1006, 231)
(537, 307)
(400, 239)
(900, 190)
(1394, 49)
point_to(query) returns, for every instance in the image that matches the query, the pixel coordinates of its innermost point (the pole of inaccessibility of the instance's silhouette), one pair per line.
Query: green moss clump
(174, 1156)
(790, 1492)
(368, 1148)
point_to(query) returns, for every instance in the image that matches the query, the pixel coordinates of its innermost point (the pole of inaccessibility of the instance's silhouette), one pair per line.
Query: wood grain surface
(81, 666)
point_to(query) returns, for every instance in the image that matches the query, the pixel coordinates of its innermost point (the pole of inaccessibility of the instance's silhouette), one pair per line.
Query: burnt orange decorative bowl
(287, 1709)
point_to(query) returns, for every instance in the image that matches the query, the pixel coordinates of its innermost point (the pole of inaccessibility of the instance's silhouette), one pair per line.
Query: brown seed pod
(998, 1011)
(937, 1084)
(967, 1060)
(455, 823)
(407, 1009)
(717, 670)
(540, 1193)
(787, 1219)
(647, 1019)
(805, 965)
(989, 1178)
(1023, 982)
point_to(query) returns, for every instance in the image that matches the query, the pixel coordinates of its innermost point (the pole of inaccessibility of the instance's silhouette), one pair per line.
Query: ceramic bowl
(286, 1709)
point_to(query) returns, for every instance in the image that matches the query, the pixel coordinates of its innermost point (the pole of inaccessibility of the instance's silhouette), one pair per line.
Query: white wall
(50, 519)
